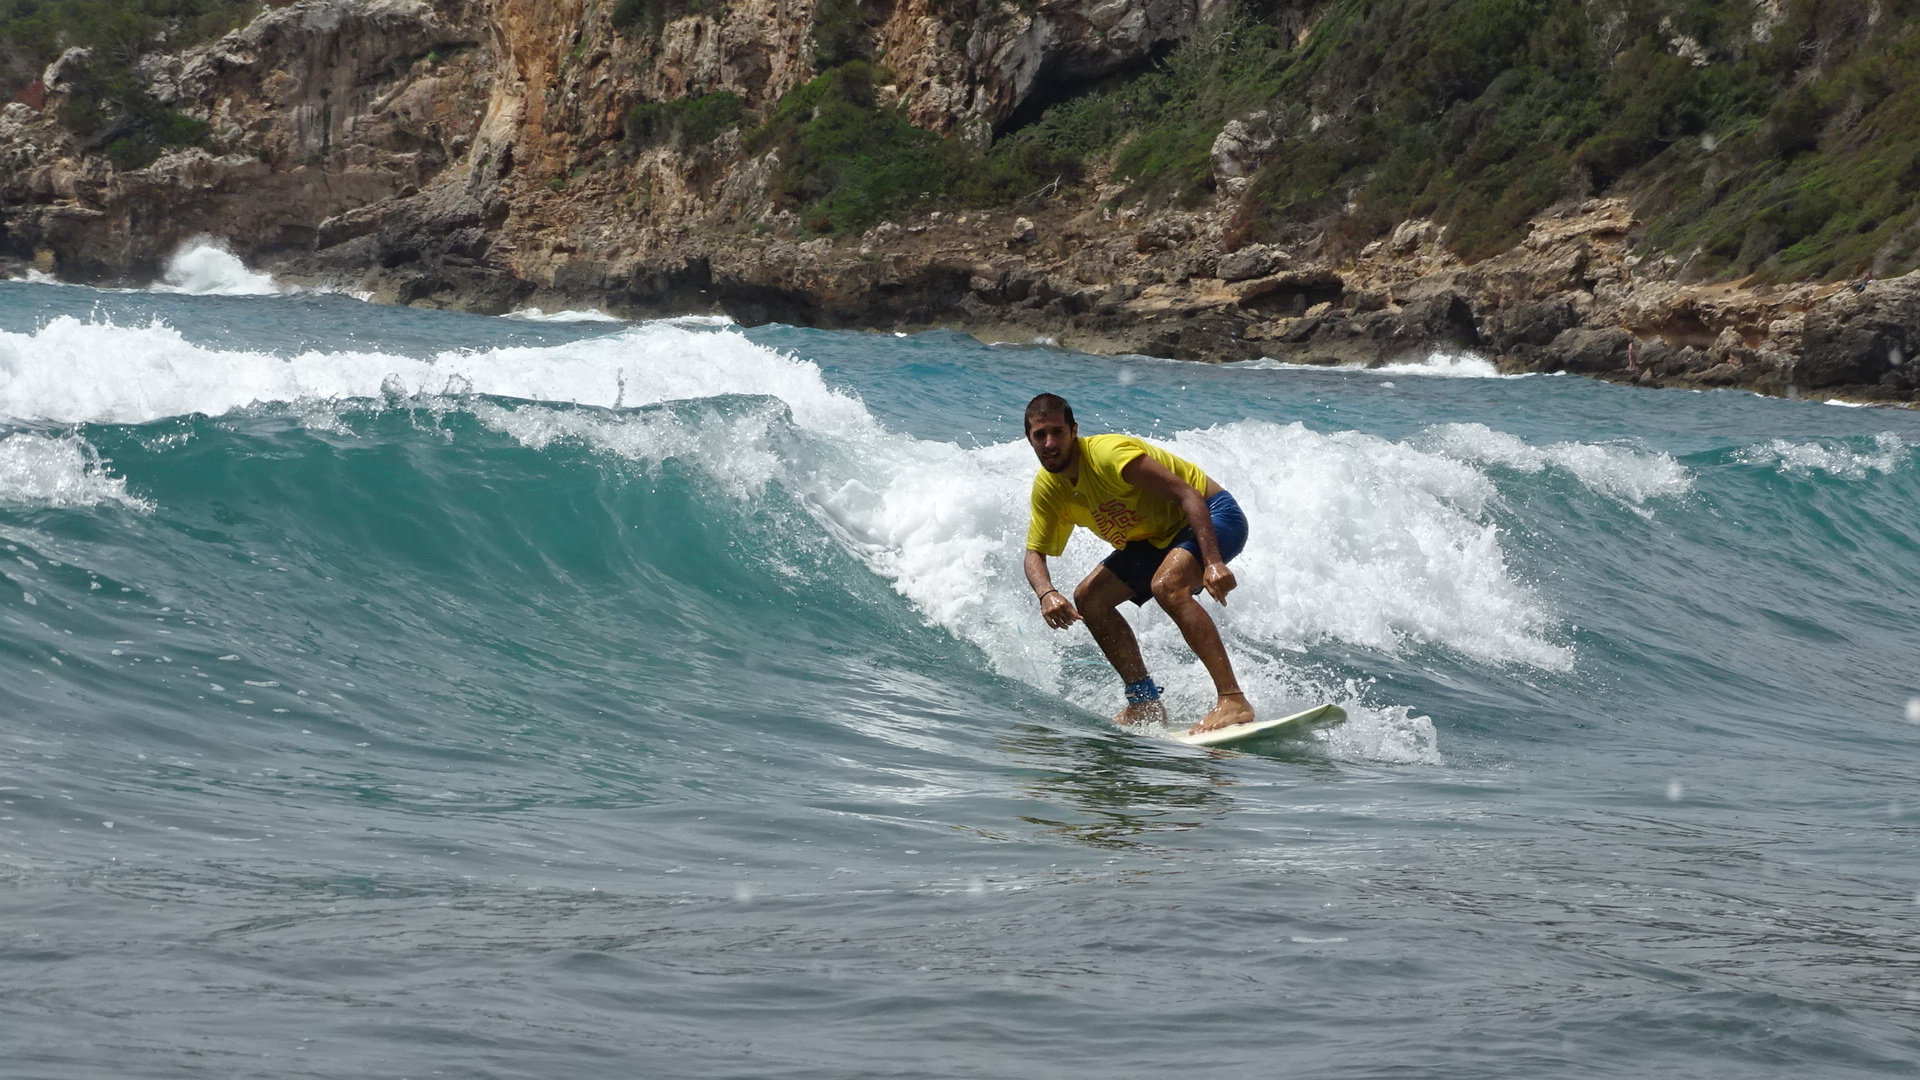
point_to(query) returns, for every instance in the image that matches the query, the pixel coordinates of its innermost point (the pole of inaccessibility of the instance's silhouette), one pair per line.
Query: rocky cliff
(489, 154)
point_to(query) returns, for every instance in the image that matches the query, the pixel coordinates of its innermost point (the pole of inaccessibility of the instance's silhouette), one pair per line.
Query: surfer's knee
(1172, 590)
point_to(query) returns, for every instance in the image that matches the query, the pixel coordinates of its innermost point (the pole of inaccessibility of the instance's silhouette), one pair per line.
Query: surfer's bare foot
(1141, 712)
(1229, 710)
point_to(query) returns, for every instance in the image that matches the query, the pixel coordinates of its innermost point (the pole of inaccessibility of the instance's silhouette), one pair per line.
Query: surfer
(1174, 531)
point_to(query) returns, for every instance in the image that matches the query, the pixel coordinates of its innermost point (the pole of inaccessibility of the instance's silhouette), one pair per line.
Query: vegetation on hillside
(847, 159)
(1783, 148)
(684, 122)
(641, 17)
(107, 106)
(1776, 140)
(33, 33)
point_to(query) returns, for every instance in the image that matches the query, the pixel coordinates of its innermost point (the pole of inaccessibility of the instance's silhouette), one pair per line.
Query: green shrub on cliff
(1183, 102)
(1780, 146)
(106, 105)
(847, 158)
(1481, 113)
(840, 31)
(693, 121)
(1820, 180)
(1157, 124)
(33, 33)
(1782, 140)
(162, 131)
(645, 17)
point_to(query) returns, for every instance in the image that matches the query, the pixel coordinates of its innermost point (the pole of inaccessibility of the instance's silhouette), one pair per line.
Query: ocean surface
(395, 693)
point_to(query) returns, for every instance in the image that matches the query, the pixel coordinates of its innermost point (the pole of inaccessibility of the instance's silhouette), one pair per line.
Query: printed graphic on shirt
(1102, 500)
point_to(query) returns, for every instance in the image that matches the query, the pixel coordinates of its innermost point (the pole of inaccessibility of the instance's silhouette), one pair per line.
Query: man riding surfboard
(1174, 531)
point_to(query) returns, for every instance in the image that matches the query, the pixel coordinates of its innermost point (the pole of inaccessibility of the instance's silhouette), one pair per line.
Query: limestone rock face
(981, 69)
(473, 154)
(1590, 350)
(331, 119)
(323, 71)
(315, 108)
(1240, 149)
(1864, 336)
(1255, 260)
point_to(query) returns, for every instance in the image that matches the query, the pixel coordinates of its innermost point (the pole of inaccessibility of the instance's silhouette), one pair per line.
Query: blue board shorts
(1136, 563)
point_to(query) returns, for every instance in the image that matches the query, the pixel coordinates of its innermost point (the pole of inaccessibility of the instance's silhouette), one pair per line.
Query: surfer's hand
(1057, 611)
(1218, 581)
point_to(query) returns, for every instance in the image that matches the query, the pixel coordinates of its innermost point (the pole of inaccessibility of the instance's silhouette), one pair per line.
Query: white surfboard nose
(1318, 716)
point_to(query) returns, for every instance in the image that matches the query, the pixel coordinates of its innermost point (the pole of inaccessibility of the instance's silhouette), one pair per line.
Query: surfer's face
(1052, 439)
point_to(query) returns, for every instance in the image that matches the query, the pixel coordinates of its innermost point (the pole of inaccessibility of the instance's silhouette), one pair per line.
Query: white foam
(1373, 542)
(695, 321)
(1442, 365)
(93, 372)
(534, 314)
(206, 267)
(740, 453)
(1833, 458)
(1628, 475)
(62, 471)
(1355, 538)
(1391, 733)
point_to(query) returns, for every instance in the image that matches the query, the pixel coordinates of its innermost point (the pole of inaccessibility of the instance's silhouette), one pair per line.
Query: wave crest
(74, 371)
(1832, 457)
(1627, 475)
(61, 471)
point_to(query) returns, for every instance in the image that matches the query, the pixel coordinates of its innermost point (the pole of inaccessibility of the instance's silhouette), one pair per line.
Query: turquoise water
(398, 693)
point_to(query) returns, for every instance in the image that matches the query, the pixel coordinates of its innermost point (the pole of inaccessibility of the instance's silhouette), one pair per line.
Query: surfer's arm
(1150, 476)
(1054, 605)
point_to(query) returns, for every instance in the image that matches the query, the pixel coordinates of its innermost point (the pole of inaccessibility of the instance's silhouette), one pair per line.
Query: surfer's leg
(1098, 598)
(1173, 586)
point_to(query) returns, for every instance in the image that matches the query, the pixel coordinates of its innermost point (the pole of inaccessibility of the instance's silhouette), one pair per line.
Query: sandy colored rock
(460, 154)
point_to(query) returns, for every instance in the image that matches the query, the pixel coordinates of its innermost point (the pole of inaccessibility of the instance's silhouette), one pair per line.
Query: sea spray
(64, 471)
(568, 315)
(1630, 475)
(1848, 460)
(206, 267)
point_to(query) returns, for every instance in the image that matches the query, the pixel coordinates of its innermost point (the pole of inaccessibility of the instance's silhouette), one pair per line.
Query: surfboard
(1298, 723)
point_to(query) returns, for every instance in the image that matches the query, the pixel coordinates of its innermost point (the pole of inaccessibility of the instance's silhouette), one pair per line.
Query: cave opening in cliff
(1051, 90)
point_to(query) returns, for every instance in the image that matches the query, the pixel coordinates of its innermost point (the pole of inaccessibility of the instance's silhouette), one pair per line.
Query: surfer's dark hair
(1048, 405)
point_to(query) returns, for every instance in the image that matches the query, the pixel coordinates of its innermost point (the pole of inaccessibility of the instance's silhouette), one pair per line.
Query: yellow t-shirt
(1115, 510)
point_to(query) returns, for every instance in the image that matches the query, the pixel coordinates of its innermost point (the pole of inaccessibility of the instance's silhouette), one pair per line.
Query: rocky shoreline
(469, 156)
(1573, 298)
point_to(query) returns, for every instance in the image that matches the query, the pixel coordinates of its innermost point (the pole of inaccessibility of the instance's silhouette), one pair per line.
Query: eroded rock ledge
(1574, 297)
